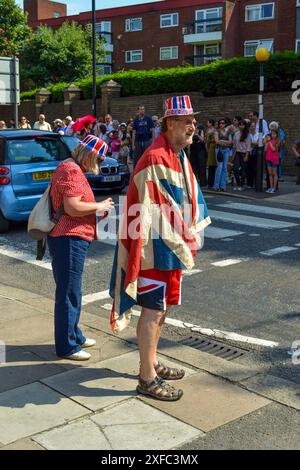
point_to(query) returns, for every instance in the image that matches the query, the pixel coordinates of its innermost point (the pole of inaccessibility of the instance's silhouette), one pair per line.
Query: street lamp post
(94, 105)
(262, 55)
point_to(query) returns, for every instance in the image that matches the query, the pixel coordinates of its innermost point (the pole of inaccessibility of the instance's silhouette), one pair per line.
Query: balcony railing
(197, 60)
(204, 26)
(106, 36)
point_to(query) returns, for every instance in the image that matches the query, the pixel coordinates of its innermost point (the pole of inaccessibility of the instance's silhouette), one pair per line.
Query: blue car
(27, 162)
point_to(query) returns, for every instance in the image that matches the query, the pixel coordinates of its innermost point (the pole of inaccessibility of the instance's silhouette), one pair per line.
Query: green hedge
(223, 77)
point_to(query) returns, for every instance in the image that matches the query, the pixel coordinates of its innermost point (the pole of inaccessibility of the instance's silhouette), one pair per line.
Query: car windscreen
(70, 141)
(35, 150)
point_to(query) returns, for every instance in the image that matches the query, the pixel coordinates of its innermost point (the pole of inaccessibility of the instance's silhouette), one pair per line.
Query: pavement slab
(209, 402)
(93, 387)
(23, 367)
(135, 425)
(129, 364)
(128, 425)
(23, 444)
(80, 435)
(275, 388)
(107, 346)
(15, 310)
(33, 330)
(273, 427)
(33, 408)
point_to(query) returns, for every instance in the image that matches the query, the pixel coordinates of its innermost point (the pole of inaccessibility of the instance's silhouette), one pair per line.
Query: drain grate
(211, 346)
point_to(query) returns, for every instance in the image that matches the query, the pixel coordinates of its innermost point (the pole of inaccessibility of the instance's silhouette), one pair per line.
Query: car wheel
(4, 224)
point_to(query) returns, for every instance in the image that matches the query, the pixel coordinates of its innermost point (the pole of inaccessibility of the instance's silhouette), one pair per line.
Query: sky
(76, 6)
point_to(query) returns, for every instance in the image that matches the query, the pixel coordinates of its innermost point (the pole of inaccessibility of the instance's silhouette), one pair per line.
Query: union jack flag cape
(153, 232)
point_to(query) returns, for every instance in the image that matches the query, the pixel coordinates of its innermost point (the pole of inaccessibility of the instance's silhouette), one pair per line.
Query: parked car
(27, 162)
(113, 176)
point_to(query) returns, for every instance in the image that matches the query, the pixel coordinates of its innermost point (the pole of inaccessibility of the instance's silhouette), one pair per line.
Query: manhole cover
(211, 346)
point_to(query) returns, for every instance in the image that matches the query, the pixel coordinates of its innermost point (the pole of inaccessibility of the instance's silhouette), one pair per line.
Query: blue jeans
(221, 171)
(68, 255)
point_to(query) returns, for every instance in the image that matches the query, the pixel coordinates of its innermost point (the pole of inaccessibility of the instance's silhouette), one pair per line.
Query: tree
(65, 54)
(13, 28)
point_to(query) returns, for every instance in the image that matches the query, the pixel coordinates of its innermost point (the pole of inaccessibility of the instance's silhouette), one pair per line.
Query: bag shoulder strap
(60, 211)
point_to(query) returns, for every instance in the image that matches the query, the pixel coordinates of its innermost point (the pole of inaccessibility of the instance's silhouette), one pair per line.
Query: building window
(56, 14)
(103, 29)
(133, 24)
(169, 53)
(297, 3)
(209, 20)
(251, 46)
(134, 56)
(298, 44)
(169, 20)
(264, 11)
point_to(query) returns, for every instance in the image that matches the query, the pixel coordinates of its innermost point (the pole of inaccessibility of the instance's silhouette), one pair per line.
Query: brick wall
(278, 106)
(42, 9)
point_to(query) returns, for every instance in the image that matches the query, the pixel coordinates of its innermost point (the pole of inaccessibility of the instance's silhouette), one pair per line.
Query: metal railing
(204, 26)
(197, 60)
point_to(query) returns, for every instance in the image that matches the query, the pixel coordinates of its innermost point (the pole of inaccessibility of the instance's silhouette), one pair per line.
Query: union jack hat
(95, 145)
(178, 106)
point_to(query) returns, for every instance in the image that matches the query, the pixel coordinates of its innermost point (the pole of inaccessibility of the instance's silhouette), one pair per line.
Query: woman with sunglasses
(223, 142)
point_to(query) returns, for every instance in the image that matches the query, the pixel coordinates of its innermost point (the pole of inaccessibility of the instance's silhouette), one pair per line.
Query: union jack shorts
(157, 289)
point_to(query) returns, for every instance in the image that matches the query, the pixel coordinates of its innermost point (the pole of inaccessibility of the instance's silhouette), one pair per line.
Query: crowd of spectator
(223, 152)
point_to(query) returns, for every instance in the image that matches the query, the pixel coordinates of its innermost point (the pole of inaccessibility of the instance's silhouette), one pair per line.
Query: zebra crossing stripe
(228, 262)
(250, 221)
(261, 209)
(279, 250)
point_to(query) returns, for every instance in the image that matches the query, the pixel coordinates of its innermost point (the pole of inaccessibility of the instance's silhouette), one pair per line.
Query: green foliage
(236, 76)
(13, 28)
(51, 56)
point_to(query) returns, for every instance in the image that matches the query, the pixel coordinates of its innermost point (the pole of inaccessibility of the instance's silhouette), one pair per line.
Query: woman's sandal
(159, 389)
(168, 373)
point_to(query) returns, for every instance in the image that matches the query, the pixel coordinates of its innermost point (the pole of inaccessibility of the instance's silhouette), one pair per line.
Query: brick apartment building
(176, 32)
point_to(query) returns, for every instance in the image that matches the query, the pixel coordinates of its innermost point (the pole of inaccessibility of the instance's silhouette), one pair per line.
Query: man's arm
(133, 139)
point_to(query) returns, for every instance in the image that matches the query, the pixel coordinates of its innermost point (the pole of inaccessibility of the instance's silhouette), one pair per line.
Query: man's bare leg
(159, 331)
(148, 332)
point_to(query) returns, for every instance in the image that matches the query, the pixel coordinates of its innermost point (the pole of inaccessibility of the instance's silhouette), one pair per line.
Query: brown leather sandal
(169, 373)
(159, 389)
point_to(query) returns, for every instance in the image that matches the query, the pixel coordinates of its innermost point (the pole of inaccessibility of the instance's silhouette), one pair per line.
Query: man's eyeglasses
(187, 122)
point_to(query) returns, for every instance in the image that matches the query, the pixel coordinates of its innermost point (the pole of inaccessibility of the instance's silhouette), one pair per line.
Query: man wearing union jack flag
(161, 229)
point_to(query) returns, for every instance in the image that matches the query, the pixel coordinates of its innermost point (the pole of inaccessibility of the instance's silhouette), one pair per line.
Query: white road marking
(262, 209)
(217, 233)
(277, 251)
(26, 257)
(227, 239)
(90, 298)
(210, 332)
(191, 272)
(254, 235)
(249, 220)
(297, 244)
(228, 262)
(234, 337)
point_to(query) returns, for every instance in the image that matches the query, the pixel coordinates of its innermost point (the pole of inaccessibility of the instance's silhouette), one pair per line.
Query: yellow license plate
(42, 175)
